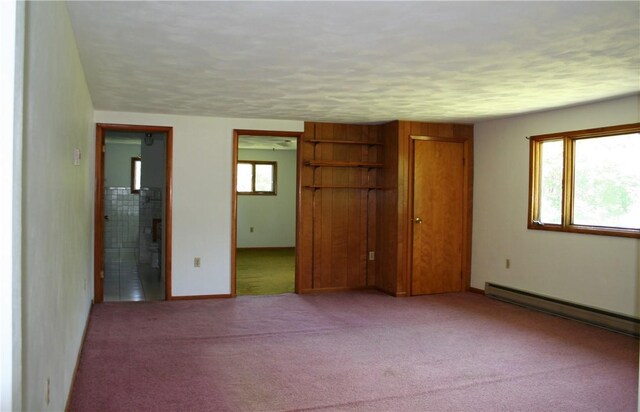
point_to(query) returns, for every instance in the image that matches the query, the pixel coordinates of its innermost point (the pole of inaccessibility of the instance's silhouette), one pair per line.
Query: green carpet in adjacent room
(265, 271)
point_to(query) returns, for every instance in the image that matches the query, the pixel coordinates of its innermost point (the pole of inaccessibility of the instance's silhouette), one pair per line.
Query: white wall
(598, 271)
(202, 167)
(57, 206)
(117, 163)
(272, 217)
(11, 87)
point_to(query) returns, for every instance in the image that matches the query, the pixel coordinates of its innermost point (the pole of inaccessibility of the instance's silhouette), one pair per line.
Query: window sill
(256, 193)
(587, 230)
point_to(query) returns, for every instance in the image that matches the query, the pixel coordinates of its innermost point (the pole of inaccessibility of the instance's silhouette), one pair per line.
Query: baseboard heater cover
(597, 317)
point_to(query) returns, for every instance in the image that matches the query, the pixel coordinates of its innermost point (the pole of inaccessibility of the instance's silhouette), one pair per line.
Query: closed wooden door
(438, 207)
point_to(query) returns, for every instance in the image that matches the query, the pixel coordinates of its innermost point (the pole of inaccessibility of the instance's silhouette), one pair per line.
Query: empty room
(332, 206)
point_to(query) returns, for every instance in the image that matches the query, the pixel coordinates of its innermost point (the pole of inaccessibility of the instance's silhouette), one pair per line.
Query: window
(586, 181)
(136, 174)
(256, 178)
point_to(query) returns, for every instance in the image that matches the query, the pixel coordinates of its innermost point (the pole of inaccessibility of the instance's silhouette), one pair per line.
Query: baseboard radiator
(597, 317)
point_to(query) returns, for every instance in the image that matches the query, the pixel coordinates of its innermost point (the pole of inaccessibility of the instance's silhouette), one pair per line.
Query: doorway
(439, 223)
(132, 244)
(265, 212)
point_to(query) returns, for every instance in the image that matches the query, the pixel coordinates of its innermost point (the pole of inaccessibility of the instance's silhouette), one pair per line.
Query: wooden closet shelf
(335, 163)
(344, 142)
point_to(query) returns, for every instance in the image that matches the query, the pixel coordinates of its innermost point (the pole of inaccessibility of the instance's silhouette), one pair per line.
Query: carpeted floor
(360, 351)
(265, 271)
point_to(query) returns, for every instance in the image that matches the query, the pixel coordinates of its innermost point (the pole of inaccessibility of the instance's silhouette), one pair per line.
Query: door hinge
(104, 148)
(102, 274)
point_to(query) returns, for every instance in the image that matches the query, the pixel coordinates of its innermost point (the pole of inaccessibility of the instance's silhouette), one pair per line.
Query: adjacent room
(134, 184)
(266, 215)
(339, 206)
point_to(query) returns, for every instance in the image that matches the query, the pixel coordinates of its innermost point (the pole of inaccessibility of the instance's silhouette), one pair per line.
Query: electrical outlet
(507, 263)
(251, 229)
(196, 262)
(372, 255)
(77, 155)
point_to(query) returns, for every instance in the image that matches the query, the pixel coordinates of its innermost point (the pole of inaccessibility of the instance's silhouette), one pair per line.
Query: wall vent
(597, 317)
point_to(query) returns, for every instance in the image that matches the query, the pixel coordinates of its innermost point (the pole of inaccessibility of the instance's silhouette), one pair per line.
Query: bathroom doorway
(133, 213)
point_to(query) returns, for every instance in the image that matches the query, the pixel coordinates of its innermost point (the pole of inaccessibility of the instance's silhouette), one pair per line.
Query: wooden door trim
(98, 241)
(98, 222)
(234, 198)
(467, 206)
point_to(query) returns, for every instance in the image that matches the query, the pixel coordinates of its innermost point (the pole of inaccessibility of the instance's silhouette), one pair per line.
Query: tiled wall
(128, 233)
(150, 208)
(121, 229)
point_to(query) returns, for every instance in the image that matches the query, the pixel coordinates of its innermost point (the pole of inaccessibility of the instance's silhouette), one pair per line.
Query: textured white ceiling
(267, 143)
(356, 61)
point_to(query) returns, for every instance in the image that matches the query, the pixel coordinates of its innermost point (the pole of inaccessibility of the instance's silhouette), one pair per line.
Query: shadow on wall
(638, 295)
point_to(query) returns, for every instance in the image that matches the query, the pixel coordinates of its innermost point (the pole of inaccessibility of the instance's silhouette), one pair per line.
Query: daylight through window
(587, 181)
(136, 174)
(256, 177)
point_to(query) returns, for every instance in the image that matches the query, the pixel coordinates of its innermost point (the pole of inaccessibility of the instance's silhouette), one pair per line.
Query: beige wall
(598, 271)
(57, 235)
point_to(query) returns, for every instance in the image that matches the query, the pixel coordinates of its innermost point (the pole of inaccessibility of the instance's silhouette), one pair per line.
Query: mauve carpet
(360, 351)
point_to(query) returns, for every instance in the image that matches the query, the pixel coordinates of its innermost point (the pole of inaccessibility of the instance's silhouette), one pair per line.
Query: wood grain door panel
(439, 206)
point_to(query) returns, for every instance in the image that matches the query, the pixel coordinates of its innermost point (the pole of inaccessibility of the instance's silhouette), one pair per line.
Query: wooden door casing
(98, 240)
(438, 203)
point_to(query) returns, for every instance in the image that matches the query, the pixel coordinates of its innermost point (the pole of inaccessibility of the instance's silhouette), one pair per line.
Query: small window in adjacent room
(586, 181)
(256, 177)
(136, 174)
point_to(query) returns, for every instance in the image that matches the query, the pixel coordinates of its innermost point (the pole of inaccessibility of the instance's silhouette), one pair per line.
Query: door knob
(417, 220)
